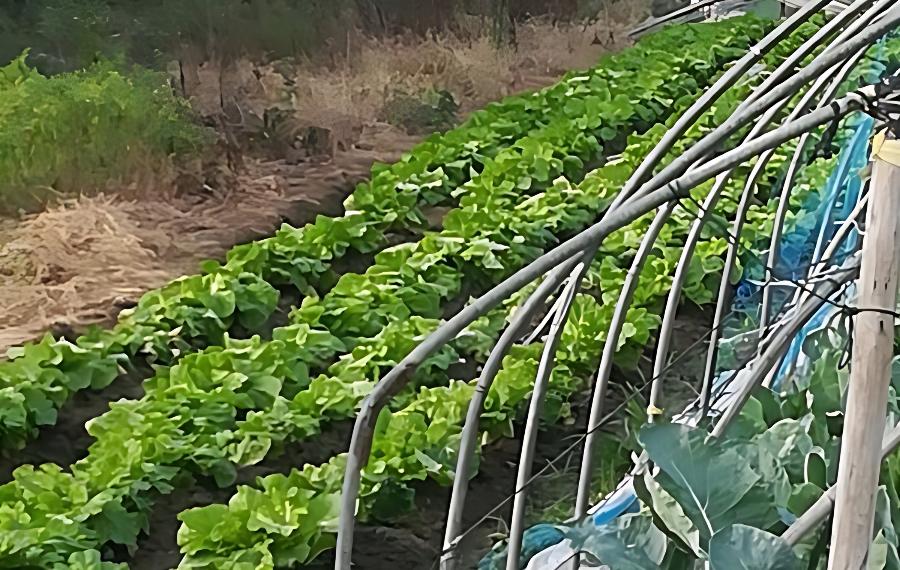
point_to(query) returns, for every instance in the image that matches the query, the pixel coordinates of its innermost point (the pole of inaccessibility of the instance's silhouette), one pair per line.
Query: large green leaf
(789, 442)
(751, 421)
(707, 477)
(741, 547)
(669, 515)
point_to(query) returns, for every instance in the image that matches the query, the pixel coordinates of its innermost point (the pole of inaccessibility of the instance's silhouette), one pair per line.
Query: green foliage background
(69, 34)
(75, 131)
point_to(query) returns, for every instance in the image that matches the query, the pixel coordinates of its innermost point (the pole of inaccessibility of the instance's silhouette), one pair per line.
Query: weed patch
(76, 132)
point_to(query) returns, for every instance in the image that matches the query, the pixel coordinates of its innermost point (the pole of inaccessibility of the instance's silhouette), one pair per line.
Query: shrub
(423, 112)
(76, 131)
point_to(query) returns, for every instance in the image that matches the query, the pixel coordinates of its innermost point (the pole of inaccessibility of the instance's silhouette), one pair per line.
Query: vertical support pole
(870, 375)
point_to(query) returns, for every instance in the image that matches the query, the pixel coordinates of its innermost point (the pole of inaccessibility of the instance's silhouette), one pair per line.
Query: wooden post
(870, 374)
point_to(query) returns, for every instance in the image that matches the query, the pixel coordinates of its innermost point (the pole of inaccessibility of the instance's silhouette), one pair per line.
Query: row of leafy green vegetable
(633, 236)
(181, 425)
(307, 408)
(285, 520)
(198, 310)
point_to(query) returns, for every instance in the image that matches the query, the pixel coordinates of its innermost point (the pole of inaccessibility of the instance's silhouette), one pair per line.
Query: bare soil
(67, 440)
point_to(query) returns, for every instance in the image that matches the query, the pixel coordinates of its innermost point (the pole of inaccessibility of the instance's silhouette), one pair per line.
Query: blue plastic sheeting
(801, 246)
(621, 502)
(845, 182)
(820, 217)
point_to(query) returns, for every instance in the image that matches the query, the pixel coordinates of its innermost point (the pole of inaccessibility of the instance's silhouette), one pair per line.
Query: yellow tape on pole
(886, 150)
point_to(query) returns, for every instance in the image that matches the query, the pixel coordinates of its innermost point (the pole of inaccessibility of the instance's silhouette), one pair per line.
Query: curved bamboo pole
(836, 75)
(469, 437)
(791, 62)
(737, 228)
(622, 304)
(674, 296)
(604, 370)
(786, 190)
(676, 173)
(838, 239)
(712, 94)
(820, 267)
(673, 299)
(535, 409)
(681, 186)
(820, 259)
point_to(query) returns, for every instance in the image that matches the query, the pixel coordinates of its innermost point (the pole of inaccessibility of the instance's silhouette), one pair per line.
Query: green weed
(74, 132)
(422, 112)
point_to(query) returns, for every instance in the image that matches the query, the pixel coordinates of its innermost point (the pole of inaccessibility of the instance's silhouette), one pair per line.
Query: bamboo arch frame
(845, 38)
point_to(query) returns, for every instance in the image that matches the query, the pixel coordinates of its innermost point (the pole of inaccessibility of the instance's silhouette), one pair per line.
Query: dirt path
(81, 262)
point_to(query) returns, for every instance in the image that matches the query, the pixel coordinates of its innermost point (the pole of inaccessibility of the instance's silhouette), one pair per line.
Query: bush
(76, 131)
(422, 112)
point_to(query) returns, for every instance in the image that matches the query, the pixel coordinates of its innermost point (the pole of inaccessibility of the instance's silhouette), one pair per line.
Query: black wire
(849, 310)
(825, 141)
(575, 554)
(846, 355)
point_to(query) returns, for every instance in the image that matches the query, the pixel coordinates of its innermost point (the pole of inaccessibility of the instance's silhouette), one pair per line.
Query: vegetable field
(232, 377)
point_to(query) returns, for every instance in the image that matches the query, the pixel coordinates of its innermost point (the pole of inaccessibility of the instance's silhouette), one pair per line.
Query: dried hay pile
(83, 260)
(71, 265)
